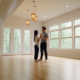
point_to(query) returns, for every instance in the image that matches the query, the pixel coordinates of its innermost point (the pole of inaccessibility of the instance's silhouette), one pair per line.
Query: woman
(36, 39)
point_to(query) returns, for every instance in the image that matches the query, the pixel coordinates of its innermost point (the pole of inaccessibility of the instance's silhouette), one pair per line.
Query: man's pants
(44, 47)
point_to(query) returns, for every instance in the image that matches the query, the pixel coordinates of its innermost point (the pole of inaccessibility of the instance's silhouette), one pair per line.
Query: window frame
(65, 38)
(70, 27)
(60, 29)
(65, 22)
(53, 38)
(75, 26)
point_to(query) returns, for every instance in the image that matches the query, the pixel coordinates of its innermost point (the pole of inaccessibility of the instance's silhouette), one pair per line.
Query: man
(44, 38)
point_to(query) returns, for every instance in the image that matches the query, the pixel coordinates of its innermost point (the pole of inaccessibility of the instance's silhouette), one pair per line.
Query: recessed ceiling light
(67, 6)
(45, 16)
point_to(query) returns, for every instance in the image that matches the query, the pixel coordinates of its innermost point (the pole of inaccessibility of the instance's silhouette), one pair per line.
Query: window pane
(77, 43)
(17, 40)
(55, 43)
(6, 44)
(77, 31)
(54, 27)
(55, 34)
(77, 22)
(66, 33)
(64, 25)
(26, 41)
(66, 43)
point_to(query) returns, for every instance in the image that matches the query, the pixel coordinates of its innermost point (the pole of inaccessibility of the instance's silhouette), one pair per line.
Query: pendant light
(33, 14)
(36, 18)
(27, 21)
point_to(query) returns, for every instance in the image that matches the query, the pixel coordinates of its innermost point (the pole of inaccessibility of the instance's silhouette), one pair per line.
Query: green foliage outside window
(6, 45)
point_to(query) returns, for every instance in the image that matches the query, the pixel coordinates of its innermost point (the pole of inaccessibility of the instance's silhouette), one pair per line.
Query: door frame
(17, 53)
(12, 40)
(30, 41)
(2, 36)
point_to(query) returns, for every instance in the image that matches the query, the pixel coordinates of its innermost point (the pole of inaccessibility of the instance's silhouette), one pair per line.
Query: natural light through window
(67, 24)
(7, 35)
(54, 37)
(17, 40)
(65, 35)
(66, 39)
(77, 34)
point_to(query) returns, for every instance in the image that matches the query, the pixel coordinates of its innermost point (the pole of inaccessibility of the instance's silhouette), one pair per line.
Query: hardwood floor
(24, 68)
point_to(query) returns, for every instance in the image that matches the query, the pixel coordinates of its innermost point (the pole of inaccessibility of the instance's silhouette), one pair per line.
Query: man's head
(43, 29)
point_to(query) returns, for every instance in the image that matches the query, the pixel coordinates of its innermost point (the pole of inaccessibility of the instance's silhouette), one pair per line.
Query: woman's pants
(36, 52)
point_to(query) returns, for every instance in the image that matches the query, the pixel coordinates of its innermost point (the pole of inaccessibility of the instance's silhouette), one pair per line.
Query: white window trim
(52, 38)
(73, 34)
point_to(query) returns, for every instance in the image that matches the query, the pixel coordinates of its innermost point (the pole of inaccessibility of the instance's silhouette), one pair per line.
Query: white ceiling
(50, 8)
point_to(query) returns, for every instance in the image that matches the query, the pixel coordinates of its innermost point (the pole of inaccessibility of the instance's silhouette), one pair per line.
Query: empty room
(39, 39)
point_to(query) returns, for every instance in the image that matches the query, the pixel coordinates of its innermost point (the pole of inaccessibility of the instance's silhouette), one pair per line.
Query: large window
(17, 40)
(26, 41)
(65, 35)
(77, 34)
(6, 43)
(54, 37)
(77, 22)
(67, 24)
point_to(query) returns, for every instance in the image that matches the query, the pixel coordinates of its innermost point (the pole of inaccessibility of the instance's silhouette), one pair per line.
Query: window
(64, 35)
(66, 39)
(67, 24)
(77, 34)
(54, 34)
(54, 37)
(17, 40)
(26, 41)
(77, 22)
(54, 27)
(6, 41)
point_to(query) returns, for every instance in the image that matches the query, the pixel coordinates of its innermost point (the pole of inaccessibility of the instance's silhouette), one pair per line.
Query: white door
(6, 41)
(27, 41)
(16, 41)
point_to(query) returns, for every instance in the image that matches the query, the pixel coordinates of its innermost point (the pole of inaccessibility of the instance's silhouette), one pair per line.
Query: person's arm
(38, 39)
(45, 38)
(40, 35)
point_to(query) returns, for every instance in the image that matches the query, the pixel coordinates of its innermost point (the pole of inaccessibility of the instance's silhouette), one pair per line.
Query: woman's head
(35, 33)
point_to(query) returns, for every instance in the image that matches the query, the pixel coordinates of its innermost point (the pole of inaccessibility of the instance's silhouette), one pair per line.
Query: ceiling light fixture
(36, 18)
(33, 14)
(67, 6)
(45, 16)
(27, 21)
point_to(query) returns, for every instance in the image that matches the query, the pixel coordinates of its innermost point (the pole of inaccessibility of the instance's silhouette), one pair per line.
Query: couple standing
(43, 45)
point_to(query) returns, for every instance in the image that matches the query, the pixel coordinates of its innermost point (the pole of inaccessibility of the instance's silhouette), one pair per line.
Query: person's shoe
(40, 60)
(45, 61)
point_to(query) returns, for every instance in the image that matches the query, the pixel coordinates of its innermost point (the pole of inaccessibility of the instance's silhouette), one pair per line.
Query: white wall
(59, 19)
(21, 23)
